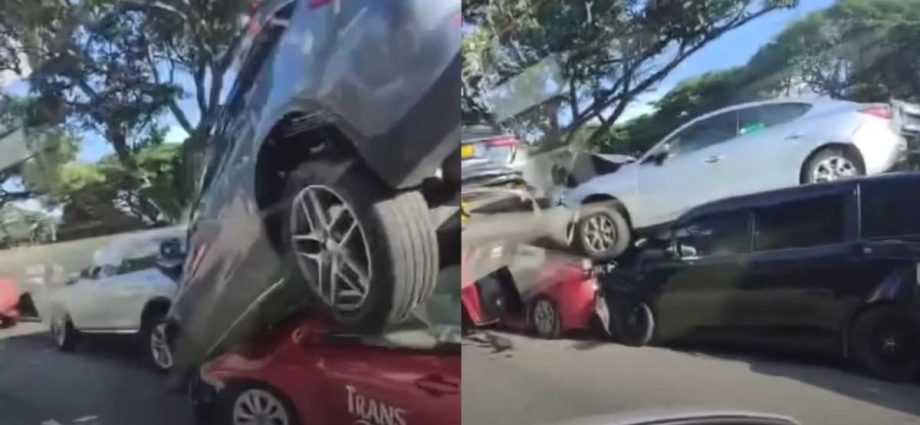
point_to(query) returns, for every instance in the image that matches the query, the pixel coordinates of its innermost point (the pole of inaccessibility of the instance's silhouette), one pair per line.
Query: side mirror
(171, 249)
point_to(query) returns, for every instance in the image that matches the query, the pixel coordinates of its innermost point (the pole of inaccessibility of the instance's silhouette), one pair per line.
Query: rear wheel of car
(254, 405)
(155, 339)
(601, 232)
(633, 323)
(544, 318)
(885, 343)
(63, 332)
(369, 254)
(831, 164)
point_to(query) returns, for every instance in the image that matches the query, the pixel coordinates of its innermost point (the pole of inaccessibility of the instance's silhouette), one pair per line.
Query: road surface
(544, 382)
(103, 383)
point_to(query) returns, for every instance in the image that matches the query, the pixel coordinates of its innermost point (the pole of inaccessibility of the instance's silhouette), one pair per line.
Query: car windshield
(749, 244)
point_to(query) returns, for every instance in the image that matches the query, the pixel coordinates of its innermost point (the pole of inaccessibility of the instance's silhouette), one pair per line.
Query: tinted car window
(799, 224)
(707, 132)
(722, 234)
(890, 208)
(760, 117)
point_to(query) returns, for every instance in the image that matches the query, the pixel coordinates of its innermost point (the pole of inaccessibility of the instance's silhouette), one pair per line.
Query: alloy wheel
(330, 247)
(833, 168)
(544, 317)
(599, 233)
(259, 407)
(159, 347)
(893, 343)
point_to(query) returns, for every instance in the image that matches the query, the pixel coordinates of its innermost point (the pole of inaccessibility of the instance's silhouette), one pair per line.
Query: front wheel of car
(601, 232)
(368, 253)
(156, 338)
(634, 323)
(885, 343)
(254, 405)
(545, 319)
(831, 164)
(63, 332)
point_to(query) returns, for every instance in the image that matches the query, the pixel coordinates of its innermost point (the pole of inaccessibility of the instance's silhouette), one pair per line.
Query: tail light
(883, 112)
(502, 142)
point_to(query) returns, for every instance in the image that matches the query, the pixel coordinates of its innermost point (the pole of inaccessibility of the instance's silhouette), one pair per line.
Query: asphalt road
(103, 383)
(540, 382)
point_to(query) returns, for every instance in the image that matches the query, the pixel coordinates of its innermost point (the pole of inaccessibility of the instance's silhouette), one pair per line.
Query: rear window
(800, 224)
(890, 208)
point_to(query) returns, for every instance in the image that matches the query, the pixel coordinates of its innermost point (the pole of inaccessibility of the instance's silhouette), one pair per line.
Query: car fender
(620, 185)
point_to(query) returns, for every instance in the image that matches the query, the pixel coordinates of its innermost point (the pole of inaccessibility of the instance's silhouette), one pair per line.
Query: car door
(767, 141)
(692, 171)
(87, 299)
(372, 385)
(805, 257)
(698, 286)
(122, 293)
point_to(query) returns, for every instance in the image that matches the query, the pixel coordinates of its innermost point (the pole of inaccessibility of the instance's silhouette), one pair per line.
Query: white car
(128, 291)
(738, 150)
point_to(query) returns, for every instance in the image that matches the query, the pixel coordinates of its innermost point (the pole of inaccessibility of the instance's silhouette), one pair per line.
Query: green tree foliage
(608, 52)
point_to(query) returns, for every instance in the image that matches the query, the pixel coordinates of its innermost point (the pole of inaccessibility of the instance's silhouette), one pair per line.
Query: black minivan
(834, 264)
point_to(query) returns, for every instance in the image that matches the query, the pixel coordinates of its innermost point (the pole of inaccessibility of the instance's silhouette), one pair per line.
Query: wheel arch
(154, 306)
(848, 148)
(597, 198)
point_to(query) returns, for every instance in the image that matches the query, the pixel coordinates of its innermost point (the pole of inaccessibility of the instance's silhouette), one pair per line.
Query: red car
(9, 302)
(306, 373)
(543, 291)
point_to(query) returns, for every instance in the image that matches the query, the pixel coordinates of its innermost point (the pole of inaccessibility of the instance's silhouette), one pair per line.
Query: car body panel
(9, 299)
(815, 290)
(751, 162)
(324, 375)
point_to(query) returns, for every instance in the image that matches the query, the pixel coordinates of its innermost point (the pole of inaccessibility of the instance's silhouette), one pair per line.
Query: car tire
(847, 166)
(544, 318)
(601, 232)
(884, 343)
(64, 334)
(7, 322)
(233, 402)
(390, 231)
(156, 343)
(634, 323)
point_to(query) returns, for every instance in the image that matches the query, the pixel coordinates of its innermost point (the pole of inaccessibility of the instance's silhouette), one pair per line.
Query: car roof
(784, 195)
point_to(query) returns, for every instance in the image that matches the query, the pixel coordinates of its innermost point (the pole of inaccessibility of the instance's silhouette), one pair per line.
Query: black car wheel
(63, 332)
(545, 319)
(367, 253)
(254, 404)
(885, 343)
(601, 232)
(634, 323)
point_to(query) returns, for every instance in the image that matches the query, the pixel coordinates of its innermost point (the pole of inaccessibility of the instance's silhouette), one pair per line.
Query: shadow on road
(104, 379)
(830, 373)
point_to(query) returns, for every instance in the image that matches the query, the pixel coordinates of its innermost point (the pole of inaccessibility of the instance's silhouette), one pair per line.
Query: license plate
(603, 312)
(467, 151)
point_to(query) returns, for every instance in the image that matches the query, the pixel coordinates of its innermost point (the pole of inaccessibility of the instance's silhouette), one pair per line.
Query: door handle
(436, 385)
(794, 136)
(714, 159)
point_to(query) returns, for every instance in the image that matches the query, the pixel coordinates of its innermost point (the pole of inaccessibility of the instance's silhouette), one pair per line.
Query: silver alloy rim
(833, 168)
(543, 317)
(258, 407)
(58, 327)
(330, 247)
(599, 233)
(159, 348)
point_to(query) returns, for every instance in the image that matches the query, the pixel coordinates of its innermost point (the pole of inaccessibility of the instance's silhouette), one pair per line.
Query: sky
(732, 49)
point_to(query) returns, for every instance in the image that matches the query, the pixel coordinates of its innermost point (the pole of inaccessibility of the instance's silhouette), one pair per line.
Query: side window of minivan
(890, 208)
(714, 235)
(800, 224)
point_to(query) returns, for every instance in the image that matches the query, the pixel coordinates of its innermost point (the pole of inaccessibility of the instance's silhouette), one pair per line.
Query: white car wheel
(259, 407)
